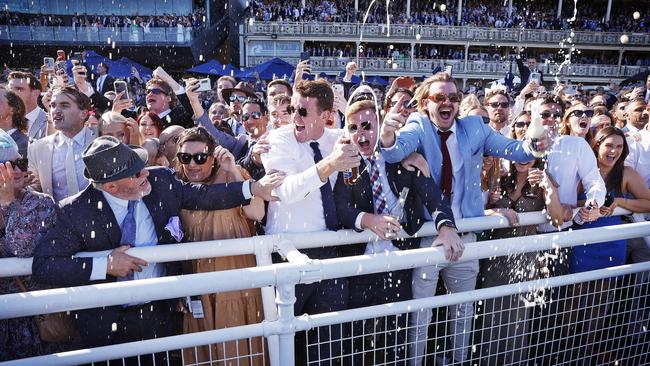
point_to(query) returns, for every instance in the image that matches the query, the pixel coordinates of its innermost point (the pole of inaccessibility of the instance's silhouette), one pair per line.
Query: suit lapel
(465, 151)
(155, 207)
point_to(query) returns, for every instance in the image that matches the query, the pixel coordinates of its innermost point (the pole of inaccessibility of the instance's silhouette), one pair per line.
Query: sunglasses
(156, 91)
(236, 98)
(302, 111)
(365, 125)
(21, 163)
(408, 104)
(255, 115)
(503, 105)
(547, 114)
(521, 124)
(441, 97)
(578, 113)
(199, 158)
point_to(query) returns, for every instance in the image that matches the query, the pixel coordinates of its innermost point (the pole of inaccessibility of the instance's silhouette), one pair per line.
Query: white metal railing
(408, 32)
(285, 276)
(97, 35)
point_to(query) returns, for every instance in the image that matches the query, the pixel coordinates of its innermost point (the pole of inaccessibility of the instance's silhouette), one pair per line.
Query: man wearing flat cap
(126, 205)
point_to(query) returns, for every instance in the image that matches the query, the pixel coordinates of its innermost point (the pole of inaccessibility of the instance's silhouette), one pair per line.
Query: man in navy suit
(373, 202)
(126, 205)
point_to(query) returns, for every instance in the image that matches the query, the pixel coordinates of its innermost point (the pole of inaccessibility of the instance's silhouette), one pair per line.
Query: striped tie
(377, 190)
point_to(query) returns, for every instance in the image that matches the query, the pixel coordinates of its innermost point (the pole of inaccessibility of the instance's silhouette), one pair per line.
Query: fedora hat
(107, 160)
(240, 87)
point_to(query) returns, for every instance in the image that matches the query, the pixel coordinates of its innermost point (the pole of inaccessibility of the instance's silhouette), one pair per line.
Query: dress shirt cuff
(246, 190)
(180, 90)
(442, 222)
(357, 222)
(99, 269)
(389, 148)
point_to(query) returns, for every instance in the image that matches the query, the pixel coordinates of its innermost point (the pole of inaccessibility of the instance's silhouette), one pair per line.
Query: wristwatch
(447, 223)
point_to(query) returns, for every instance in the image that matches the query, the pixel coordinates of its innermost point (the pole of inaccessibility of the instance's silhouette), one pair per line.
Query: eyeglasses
(503, 105)
(156, 91)
(199, 158)
(21, 163)
(365, 125)
(441, 97)
(578, 113)
(238, 98)
(547, 114)
(255, 115)
(521, 124)
(302, 111)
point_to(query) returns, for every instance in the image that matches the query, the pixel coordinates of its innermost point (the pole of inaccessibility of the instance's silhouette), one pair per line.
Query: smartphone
(48, 62)
(338, 88)
(60, 55)
(571, 89)
(472, 89)
(535, 76)
(59, 66)
(304, 56)
(609, 199)
(203, 85)
(120, 86)
(448, 69)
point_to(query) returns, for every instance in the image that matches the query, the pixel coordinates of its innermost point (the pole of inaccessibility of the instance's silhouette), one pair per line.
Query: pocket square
(174, 228)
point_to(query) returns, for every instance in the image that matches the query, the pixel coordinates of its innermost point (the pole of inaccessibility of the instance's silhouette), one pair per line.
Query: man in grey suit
(28, 88)
(56, 159)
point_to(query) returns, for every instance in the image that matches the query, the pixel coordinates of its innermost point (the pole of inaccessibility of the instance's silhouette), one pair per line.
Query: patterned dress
(23, 221)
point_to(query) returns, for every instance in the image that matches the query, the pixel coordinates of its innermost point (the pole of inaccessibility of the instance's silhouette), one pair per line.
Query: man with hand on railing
(127, 205)
(312, 156)
(454, 149)
(379, 200)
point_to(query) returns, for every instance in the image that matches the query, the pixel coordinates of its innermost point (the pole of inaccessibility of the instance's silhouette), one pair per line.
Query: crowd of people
(195, 20)
(474, 13)
(247, 159)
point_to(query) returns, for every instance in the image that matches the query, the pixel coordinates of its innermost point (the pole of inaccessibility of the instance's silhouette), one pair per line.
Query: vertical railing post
(263, 258)
(285, 299)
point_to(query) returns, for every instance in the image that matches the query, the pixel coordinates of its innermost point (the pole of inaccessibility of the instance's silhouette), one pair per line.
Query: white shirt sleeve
(100, 265)
(589, 174)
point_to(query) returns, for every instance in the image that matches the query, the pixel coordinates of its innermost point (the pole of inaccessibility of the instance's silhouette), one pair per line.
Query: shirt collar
(164, 113)
(79, 138)
(33, 114)
(115, 202)
(452, 129)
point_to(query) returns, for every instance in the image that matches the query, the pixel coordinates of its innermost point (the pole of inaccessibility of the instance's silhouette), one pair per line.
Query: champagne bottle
(535, 132)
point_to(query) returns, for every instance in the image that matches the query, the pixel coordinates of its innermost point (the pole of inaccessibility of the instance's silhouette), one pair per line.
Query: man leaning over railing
(454, 149)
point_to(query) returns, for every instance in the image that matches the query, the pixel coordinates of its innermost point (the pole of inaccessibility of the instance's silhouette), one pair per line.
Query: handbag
(56, 327)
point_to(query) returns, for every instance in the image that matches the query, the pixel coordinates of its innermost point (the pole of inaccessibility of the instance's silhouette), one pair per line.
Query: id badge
(197, 309)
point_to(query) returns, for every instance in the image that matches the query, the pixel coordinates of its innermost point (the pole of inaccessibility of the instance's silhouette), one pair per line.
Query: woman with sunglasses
(527, 188)
(577, 122)
(24, 216)
(202, 161)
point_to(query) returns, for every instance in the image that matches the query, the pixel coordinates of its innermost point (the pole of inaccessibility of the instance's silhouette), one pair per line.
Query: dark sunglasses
(237, 98)
(255, 115)
(408, 104)
(199, 158)
(156, 91)
(441, 97)
(302, 111)
(578, 113)
(503, 105)
(365, 125)
(21, 163)
(547, 114)
(521, 124)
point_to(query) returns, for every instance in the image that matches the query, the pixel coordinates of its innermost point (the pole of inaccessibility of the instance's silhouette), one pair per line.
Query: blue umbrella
(144, 71)
(355, 79)
(272, 69)
(376, 80)
(214, 67)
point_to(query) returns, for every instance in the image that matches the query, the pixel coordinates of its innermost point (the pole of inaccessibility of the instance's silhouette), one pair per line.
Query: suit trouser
(370, 341)
(458, 277)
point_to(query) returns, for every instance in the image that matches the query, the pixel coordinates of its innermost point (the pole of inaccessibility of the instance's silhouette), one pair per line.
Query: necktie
(447, 173)
(377, 189)
(327, 197)
(128, 232)
(71, 169)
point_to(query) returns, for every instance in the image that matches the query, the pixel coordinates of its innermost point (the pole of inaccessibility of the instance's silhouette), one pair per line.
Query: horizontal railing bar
(107, 294)
(312, 321)
(220, 248)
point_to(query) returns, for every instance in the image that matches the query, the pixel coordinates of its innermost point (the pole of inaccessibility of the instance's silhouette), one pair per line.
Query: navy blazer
(85, 222)
(424, 192)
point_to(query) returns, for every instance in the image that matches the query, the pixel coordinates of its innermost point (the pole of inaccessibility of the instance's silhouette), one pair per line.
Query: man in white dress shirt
(311, 156)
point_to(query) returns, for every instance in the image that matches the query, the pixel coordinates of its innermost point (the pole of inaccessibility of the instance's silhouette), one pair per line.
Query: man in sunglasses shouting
(454, 149)
(311, 155)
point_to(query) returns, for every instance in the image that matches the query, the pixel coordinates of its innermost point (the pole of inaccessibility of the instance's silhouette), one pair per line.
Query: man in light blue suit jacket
(438, 102)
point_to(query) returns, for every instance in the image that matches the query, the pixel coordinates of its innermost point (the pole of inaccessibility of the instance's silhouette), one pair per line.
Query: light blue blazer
(475, 139)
